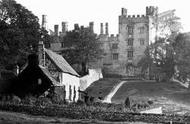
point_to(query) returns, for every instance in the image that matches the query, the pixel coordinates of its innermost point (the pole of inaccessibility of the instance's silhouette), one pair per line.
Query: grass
(102, 87)
(171, 96)
(152, 89)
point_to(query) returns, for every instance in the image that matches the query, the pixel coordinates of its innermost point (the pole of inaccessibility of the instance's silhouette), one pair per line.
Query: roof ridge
(60, 62)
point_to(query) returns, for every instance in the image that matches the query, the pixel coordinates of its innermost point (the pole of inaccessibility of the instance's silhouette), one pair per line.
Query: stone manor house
(123, 51)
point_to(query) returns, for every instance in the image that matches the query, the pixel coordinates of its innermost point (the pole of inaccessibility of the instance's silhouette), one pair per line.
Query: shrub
(80, 102)
(29, 100)
(43, 101)
(127, 103)
(56, 100)
(15, 99)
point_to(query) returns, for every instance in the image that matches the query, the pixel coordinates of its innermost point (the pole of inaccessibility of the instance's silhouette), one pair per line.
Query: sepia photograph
(94, 62)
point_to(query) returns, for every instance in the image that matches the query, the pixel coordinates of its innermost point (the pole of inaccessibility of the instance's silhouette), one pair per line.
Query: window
(47, 45)
(62, 44)
(130, 30)
(141, 40)
(141, 30)
(130, 42)
(39, 81)
(74, 94)
(114, 46)
(70, 92)
(115, 56)
(130, 54)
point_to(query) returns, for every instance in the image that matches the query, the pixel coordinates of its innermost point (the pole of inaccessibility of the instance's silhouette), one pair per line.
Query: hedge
(85, 112)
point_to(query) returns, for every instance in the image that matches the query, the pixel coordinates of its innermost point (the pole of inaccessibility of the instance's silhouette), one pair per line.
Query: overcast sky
(84, 11)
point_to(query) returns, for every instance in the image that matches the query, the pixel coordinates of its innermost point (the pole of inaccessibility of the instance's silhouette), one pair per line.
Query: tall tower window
(141, 40)
(141, 29)
(130, 42)
(62, 44)
(130, 30)
(130, 54)
(114, 46)
(115, 56)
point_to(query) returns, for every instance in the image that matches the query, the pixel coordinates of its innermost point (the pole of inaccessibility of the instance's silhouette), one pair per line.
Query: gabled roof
(47, 73)
(60, 62)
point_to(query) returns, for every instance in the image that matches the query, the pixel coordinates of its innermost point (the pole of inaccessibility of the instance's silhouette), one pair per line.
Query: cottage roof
(60, 62)
(47, 73)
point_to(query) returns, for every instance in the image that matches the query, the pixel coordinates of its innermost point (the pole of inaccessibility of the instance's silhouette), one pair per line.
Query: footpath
(112, 93)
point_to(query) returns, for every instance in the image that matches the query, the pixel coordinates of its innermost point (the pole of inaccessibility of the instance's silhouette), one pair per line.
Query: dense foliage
(160, 56)
(82, 46)
(19, 34)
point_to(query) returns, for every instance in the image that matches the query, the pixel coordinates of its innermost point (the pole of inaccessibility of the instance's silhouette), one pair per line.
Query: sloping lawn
(170, 90)
(102, 87)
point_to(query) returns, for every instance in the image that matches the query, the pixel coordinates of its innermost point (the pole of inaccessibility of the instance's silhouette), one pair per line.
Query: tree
(182, 55)
(20, 31)
(159, 56)
(81, 47)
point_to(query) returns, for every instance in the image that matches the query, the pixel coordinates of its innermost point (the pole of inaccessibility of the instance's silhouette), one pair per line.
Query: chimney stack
(82, 27)
(101, 28)
(91, 26)
(123, 12)
(44, 21)
(76, 26)
(106, 29)
(56, 28)
(41, 53)
(64, 27)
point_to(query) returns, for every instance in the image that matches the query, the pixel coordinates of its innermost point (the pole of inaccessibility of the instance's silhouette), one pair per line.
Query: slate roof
(60, 62)
(47, 73)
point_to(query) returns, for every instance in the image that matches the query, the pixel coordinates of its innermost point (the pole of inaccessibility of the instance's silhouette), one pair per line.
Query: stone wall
(87, 80)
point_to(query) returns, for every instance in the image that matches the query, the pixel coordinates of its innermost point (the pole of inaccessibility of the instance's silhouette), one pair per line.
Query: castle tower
(106, 29)
(101, 28)
(44, 21)
(151, 11)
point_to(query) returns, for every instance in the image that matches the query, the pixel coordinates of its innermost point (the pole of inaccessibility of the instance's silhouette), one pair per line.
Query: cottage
(47, 71)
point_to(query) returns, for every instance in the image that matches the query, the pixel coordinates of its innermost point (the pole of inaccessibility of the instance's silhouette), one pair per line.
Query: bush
(56, 100)
(80, 102)
(15, 99)
(29, 100)
(43, 101)
(127, 103)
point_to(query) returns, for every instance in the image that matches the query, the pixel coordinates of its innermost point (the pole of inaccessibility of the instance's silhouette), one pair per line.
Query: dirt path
(113, 91)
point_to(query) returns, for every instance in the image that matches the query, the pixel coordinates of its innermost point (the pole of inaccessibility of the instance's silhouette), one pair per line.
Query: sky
(101, 11)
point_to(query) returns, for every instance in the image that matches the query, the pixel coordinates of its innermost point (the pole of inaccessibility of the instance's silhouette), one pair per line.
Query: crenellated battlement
(150, 11)
(136, 16)
(113, 37)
